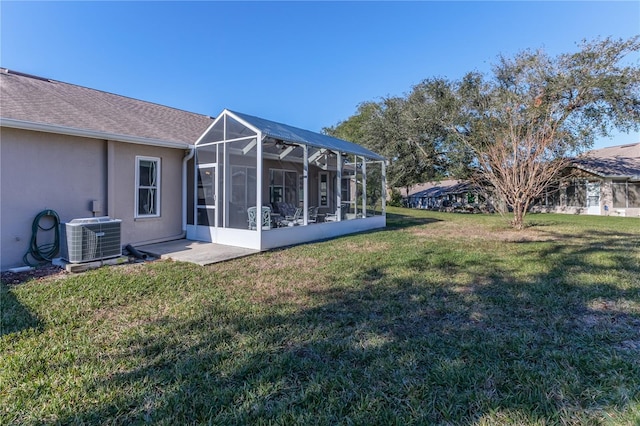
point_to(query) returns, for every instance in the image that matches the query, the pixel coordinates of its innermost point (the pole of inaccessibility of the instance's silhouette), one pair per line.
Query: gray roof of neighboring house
(438, 188)
(614, 161)
(31, 99)
(306, 137)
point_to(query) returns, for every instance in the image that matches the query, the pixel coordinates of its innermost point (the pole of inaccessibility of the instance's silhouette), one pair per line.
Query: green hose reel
(41, 253)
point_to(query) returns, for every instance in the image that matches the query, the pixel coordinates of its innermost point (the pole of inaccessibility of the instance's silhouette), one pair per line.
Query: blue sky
(308, 64)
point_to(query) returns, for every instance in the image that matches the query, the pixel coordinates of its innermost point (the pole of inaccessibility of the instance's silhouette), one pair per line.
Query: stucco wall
(41, 171)
(312, 182)
(558, 209)
(147, 230)
(606, 196)
(606, 199)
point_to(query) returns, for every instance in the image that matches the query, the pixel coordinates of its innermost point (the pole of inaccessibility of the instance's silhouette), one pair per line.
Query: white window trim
(320, 174)
(139, 158)
(283, 179)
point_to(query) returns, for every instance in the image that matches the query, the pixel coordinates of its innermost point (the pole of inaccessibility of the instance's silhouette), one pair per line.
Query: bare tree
(536, 111)
(519, 168)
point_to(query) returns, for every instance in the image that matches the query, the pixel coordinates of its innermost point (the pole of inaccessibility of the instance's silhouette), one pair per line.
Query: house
(601, 182)
(448, 194)
(169, 174)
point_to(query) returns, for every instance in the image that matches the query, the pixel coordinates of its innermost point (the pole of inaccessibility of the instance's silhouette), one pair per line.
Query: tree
(389, 132)
(536, 111)
(355, 130)
(512, 130)
(404, 130)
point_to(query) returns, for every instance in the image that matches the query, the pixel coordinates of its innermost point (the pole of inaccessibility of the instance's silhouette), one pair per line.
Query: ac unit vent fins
(89, 239)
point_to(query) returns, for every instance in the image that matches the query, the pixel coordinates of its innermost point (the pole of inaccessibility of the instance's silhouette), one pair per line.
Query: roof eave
(73, 131)
(588, 170)
(630, 177)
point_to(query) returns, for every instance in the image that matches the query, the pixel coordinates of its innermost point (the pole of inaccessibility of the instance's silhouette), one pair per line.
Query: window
(553, 195)
(323, 189)
(283, 187)
(633, 194)
(147, 187)
(619, 190)
(625, 194)
(577, 194)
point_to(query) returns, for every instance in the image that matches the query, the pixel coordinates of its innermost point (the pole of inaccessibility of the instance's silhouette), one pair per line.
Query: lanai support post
(364, 187)
(339, 189)
(384, 188)
(259, 188)
(305, 186)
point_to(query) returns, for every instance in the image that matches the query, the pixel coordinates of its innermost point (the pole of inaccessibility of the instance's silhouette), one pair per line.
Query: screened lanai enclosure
(261, 184)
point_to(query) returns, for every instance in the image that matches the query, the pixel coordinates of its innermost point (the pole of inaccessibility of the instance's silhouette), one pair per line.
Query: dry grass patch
(371, 246)
(466, 231)
(287, 259)
(133, 316)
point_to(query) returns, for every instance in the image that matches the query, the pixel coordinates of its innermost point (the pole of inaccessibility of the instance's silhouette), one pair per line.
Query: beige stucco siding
(41, 171)
(143, 230)
(606, 199)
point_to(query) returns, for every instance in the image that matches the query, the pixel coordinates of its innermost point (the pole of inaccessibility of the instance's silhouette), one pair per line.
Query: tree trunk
(518, 216)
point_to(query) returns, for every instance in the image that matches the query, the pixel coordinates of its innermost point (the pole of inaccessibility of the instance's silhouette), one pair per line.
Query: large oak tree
(514, 128)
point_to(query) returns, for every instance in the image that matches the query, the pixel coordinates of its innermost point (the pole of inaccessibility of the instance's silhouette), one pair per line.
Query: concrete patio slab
(195, 251)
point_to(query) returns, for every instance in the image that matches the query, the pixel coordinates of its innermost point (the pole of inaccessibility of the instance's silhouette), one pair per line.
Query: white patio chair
(266, 217)
(333, 217)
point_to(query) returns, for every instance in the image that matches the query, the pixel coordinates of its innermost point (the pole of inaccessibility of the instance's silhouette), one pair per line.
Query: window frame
(630, 185)
(138, 187)
(323, 191)
(284, 185)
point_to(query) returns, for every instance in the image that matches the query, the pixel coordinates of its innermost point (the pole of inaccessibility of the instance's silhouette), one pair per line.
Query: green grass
(438, 319)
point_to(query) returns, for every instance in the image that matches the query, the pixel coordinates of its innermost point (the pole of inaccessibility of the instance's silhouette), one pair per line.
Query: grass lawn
(438, 319)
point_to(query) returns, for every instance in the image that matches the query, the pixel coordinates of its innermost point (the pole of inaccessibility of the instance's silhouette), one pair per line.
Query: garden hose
(45, 252)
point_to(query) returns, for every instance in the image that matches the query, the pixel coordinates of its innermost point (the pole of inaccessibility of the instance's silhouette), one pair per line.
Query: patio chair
(333, 217)
(285, 209)
(292, 220)
(266, 217)
(313, 215)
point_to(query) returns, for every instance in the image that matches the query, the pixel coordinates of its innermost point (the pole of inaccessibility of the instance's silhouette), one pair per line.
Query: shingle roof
(38, 100)
(621, 160)
(437, 188)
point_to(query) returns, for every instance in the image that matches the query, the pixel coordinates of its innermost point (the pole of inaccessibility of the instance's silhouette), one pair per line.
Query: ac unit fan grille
(86, 240)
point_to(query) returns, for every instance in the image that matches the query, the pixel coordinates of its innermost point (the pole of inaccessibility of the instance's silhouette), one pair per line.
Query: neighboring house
(447, 194)
(84, 152)
(601, 182)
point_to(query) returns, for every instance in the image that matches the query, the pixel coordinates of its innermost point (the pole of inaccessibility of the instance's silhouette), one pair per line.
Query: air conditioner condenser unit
(89, 239)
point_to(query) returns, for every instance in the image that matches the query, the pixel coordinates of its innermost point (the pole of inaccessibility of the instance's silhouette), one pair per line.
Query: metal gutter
(185, 160)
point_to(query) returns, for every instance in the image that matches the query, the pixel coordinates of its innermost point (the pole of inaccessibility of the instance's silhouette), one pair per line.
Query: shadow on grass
(15, 316)
(451, 338)
(401, 221)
